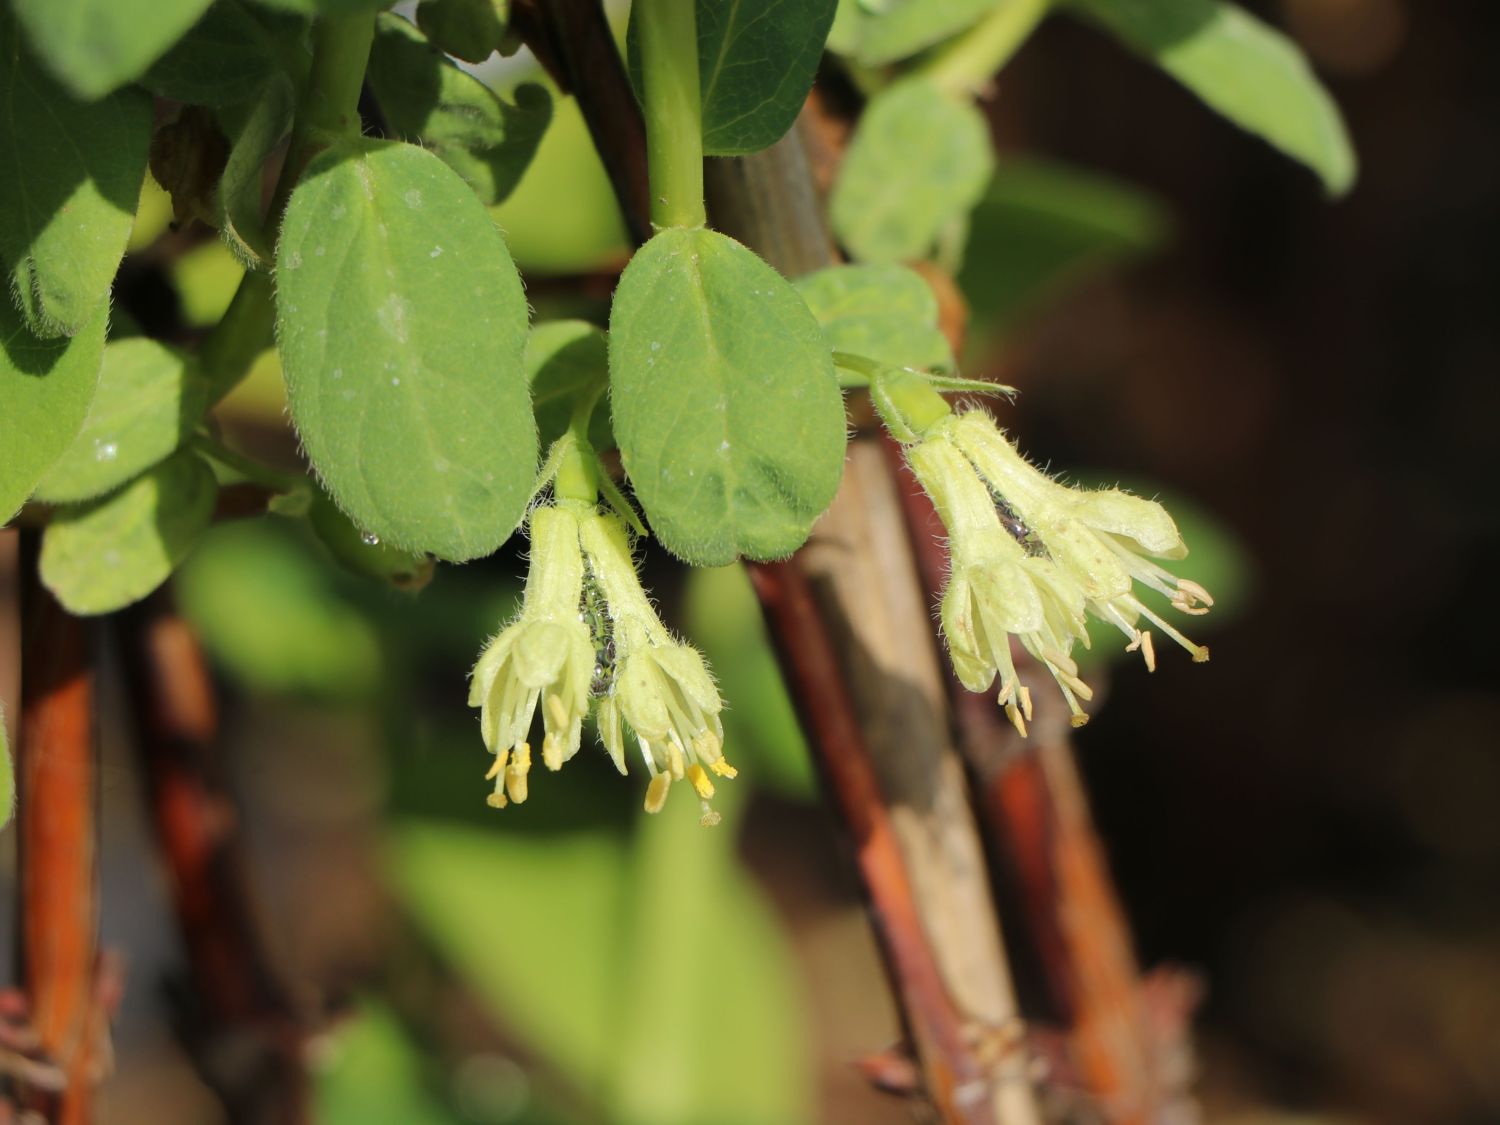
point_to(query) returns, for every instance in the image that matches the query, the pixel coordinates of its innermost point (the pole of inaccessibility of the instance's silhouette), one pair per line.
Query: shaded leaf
(226, 58)
(471, 30)
(566, 359)
(45, 390)
(887, 313)
(150, 399)
(919, 160)
(1039, 225)
(95, 46)
(104, 555)
(72, 178)
(1243, 69)
(353, 550)
(756, 63)
(402, 325)
(725, 407)
(485, 139)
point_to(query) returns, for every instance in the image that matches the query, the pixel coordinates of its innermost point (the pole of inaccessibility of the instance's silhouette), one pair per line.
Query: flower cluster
(660, 692)
(1033, 558)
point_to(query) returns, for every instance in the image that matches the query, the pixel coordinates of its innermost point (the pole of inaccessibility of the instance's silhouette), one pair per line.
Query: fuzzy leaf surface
(114, 551)
(402, 325)
(725, 407)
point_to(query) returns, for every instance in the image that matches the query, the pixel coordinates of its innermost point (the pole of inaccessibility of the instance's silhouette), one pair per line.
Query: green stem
(966, 65)
(673, 110)
(329, 107)
(243, 332)
(907, 404)
(248, 467)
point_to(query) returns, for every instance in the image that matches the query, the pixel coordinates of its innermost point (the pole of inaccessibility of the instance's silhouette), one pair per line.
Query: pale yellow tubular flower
(662, 688)
(1101, 539)
(544, 659)
(996, 589)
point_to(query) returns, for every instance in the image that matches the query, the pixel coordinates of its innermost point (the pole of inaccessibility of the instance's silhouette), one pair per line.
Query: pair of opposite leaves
(403, 324)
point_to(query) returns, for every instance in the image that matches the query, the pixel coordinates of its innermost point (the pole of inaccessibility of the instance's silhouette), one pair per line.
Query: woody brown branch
(57, 833)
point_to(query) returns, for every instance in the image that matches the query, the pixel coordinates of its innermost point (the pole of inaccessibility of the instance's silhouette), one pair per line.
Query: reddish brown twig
(57, 828)
(1036, 815)
(239, 1026)
(954, 1079)
(573, 39)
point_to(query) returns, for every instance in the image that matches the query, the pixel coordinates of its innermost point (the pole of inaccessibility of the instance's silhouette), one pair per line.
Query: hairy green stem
(247, 466)
(966, 65)
(674, 111)
(329, 107)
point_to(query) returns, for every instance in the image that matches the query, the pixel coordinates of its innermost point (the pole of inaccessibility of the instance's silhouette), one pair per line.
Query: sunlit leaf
(72, 176)
(402, 325)
(45, 390)
(725, 407)
(106, 554)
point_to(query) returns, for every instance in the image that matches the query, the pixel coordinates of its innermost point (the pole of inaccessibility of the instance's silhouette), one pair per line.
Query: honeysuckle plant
(422, 394)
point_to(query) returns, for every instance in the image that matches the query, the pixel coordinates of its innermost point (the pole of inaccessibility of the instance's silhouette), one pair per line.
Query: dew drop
(370, 539)
(436, 250)
(105, 451)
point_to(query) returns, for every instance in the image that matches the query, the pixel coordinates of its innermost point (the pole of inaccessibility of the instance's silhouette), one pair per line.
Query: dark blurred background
(1309, 821)
(1315, 818)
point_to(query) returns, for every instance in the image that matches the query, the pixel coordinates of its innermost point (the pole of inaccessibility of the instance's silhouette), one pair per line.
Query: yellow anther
(709, 819)
(722, 767)
(675, 760)
(496, 800)
(557, 713)
(1200, 654)
(1013, 713)
(699, 777)
(552, 750)
(656, 792)
(1026, 703)
(515, 773)
(1079, 719)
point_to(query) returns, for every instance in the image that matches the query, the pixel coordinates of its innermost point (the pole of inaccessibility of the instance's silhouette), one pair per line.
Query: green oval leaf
(94, 46)
(919, 160)
(68, 194)
(226, 57)
(756, 64)
(471, 30)
(149, 400)
(107, 554)
(45, 390)
(1243, 69)
(485, 139)
(887, 313)
(566, 360)
(402, 325)
(877, 34)
(728, 417)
